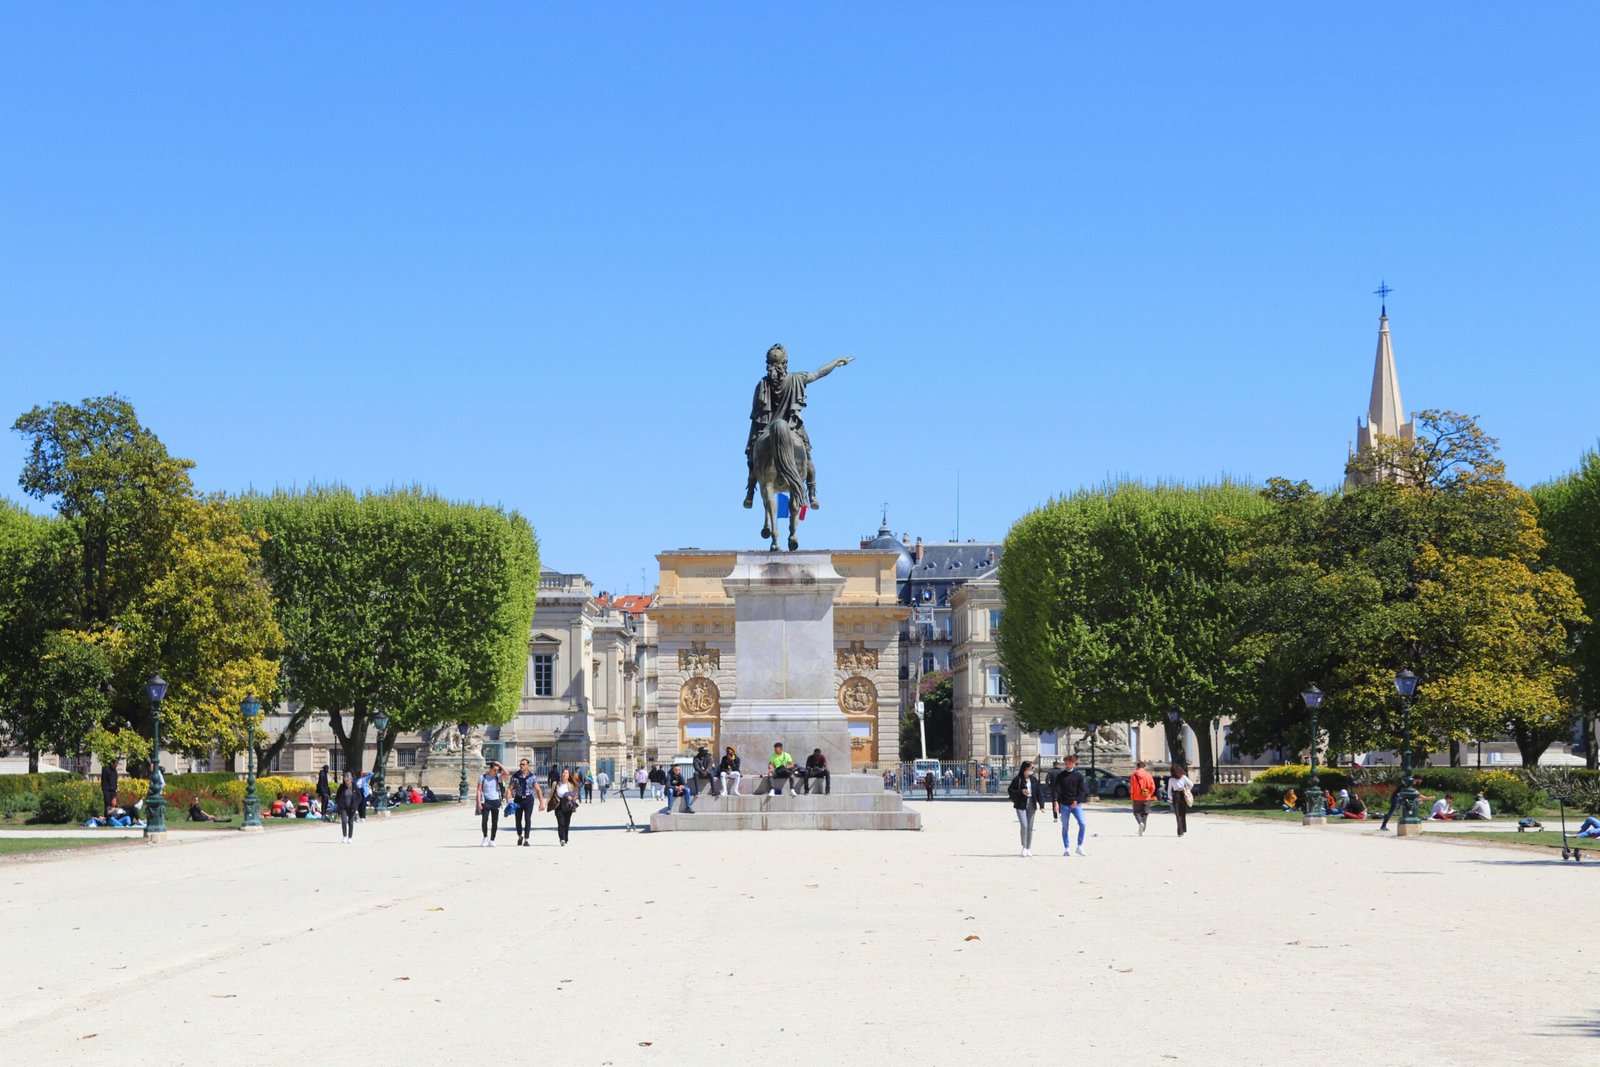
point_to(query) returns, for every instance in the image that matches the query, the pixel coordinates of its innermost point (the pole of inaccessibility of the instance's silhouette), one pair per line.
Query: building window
(544, 674)
(405, 757)
(997, 741)
(1047, 744)
(336, 759)
(275, 764)
(995, 684)
(543, 755)
(994, 620)
(929, 664)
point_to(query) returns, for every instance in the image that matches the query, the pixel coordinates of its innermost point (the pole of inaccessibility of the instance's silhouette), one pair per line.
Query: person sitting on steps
(781, 768)
(817, 767)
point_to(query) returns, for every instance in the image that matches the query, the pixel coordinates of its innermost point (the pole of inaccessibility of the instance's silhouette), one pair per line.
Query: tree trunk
(33, 759)
(1174, 739)
(1208, 768)
(296, 723)
(352, 743)
(1455, 753)
(1591, 751)
(1530, 748)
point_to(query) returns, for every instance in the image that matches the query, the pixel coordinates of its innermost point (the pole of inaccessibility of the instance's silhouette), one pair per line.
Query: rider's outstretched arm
(828, 368)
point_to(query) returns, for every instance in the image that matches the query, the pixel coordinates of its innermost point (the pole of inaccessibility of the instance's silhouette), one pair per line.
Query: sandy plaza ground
(1246, 942)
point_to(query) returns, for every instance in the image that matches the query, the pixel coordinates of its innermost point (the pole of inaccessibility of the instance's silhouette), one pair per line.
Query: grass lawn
(179, 820)
(9, 845)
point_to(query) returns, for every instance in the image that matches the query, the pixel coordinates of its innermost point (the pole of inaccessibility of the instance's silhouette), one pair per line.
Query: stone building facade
(694, 620)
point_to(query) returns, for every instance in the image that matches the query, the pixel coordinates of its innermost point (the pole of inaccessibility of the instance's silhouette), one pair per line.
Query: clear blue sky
(533, 254)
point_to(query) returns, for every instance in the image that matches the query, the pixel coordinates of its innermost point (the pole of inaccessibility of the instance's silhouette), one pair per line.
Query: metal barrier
(954, 779)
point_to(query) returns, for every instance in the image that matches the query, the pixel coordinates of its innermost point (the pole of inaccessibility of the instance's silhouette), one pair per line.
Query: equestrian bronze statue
(778, 450)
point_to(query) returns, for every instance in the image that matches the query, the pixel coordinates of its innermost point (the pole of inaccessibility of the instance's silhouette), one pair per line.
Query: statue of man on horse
(778, 450)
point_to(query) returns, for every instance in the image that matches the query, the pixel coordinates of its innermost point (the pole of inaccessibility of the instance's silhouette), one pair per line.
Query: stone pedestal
(1314, 820)
(1408, 829)
(784, 654)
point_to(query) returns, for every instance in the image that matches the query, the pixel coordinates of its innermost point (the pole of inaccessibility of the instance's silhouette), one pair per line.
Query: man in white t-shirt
(1480, 810)
(1442, 809)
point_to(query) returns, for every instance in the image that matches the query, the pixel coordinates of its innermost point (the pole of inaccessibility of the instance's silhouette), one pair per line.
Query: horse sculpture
(778, 462)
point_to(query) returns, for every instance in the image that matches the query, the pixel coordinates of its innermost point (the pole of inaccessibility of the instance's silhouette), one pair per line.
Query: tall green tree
(398, 601)
(1569, 512)
(162, 581)
(1117, 609)
(1437, 567)
(54, 686)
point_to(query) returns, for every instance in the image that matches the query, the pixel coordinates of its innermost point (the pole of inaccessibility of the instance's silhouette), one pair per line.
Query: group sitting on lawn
(1443, 811)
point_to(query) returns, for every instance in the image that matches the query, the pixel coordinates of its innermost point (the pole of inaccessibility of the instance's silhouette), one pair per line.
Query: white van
(920, 769)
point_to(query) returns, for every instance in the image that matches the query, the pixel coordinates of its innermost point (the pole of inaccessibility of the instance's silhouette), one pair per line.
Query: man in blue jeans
(676, 787)
(1071, 793)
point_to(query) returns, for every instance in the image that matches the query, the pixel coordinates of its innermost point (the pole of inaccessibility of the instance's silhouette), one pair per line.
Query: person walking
(528, 798)
(641, 778)
(108, 786)
(602, 782)
(588, 787)
(564, 803)
(1141, 790)
(348, 801)
(1071, 792)
(927, 785)
(728, 771)
(324, 794)
(364, 789)
(1180, 790)
(658, 781)
(1050, 788)
(1025, 798)
(491, 793)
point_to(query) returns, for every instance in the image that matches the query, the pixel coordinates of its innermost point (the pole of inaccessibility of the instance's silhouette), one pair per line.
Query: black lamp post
(1405, 684)
(463, 728)
(1316, 811)
(155, 803)
(1175, 717)
(250, 707)
(1216, 748)
(1094, 729)
(381, 721)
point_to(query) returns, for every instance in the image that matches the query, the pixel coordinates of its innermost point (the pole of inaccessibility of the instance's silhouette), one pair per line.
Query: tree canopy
(1117, 608)
(398, 601)
(1569, 511)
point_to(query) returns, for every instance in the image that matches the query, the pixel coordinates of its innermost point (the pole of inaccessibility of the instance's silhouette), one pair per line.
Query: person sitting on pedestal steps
(817, 767)
(676, 787)
(705, 770)
(781, 768)
(728, 771)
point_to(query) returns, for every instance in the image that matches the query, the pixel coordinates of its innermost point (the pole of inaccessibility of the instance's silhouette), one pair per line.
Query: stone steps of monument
(836, 801)
(758, 785)
(786, 820)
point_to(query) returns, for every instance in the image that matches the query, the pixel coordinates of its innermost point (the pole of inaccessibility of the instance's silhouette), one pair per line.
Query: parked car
(1102, 783)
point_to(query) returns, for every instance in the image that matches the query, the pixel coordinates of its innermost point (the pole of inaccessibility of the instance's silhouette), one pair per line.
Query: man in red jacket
(1141, 790)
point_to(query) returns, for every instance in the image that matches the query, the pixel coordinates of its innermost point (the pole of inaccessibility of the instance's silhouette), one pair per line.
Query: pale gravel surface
(1244, 943)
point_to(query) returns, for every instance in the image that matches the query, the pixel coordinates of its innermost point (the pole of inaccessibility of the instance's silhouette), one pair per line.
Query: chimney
(916, 553)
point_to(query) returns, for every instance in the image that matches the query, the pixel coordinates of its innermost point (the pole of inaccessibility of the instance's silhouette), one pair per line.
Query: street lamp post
(249, 707)
(1175, 717)
(463, 728)
(381, 721)
(1316, 812)
(155, 802)
(1405, 684)
(922, 726)
(1094, 730)
(1216, 748)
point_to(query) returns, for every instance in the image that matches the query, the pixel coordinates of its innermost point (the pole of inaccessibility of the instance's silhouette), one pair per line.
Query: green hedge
(1295, 774)
(12, 784)
(71, 802)
(19, 804)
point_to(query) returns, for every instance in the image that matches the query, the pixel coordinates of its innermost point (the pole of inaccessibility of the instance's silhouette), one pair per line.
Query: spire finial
(1382, 292)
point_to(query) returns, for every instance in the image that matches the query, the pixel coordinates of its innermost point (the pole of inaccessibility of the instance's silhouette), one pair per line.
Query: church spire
(1385, 415)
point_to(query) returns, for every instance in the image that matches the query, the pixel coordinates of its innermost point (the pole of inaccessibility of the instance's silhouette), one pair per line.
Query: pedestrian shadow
(1581, 1027)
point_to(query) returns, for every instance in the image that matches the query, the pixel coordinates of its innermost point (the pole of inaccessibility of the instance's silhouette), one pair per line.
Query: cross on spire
(1382, 292)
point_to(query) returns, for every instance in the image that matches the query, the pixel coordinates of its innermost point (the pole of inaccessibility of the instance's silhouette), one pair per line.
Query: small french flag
(783, 508)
